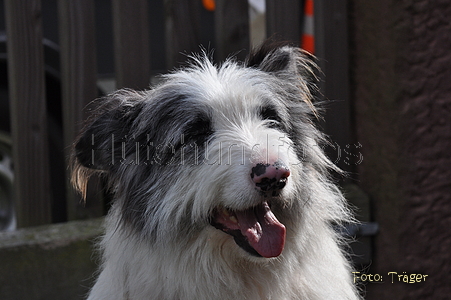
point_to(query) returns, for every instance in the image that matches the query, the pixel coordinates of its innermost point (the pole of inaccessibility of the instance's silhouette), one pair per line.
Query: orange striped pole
(209, 5)
(308, 36)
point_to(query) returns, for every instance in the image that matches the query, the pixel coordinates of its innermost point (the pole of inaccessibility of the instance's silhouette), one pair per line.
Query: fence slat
(131, 43)
(283, 19)
(232, 28)
(28, 112)
(331, 47)
(78, 75)
(183, 30)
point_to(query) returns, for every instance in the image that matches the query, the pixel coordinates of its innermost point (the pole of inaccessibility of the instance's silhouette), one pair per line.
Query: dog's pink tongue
(262, 229)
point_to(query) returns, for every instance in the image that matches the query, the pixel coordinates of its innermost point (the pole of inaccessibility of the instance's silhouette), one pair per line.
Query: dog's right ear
(93, 148)
(98, 149)
(101, 138)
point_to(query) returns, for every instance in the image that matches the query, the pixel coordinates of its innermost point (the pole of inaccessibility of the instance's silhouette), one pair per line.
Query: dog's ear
(98, 149)
(265, 57)
(279, 57)
(99, 145)
(291, 64)
(93, 149)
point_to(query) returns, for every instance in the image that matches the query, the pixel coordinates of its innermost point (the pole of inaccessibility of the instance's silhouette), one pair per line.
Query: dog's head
(228, 149)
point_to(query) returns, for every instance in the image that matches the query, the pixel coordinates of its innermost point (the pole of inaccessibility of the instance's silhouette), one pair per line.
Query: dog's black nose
(270, 177)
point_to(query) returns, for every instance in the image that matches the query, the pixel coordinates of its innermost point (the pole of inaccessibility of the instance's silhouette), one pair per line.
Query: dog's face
(226, 150)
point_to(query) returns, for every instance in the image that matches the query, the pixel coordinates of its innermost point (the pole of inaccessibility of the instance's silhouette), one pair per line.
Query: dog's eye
(198, 131)
(270, 114)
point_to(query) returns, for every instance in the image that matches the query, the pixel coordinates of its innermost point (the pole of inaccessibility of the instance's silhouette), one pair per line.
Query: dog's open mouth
(256, 229)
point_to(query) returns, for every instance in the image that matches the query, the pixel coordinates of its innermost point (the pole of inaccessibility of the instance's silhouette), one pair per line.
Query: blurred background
(386, 82)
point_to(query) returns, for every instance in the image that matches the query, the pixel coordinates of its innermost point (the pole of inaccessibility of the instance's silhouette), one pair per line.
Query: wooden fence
(132, 41)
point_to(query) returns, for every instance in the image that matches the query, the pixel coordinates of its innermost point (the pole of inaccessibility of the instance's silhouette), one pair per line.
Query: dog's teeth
(233, 219)
(229, 215)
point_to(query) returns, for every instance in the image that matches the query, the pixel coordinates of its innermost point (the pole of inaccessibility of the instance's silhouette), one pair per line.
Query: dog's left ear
(274, 57)
(285, 61)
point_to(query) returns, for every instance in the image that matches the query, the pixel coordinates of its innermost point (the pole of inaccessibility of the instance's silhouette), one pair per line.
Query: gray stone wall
(401, 85)
(49, 262)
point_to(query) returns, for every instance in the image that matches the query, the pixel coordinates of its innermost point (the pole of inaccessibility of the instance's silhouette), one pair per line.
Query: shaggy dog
(221, 187)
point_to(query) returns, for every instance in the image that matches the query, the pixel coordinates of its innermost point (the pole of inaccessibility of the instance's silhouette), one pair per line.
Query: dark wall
(401, 85)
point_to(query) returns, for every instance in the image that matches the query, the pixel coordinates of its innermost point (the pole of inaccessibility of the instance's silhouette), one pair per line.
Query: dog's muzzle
(256, 229)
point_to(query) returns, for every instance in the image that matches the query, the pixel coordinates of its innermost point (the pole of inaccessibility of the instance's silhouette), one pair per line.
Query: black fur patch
(270, 114)
(267, 50)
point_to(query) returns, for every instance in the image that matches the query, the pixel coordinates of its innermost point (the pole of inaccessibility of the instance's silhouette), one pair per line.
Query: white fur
(311, 267)
(187, 258)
